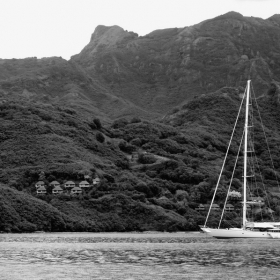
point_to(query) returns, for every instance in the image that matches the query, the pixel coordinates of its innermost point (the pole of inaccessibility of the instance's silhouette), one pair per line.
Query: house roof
(215, 205)
(40, 183)
(229, 205)
(41, 188)
(84, 183)
(69, 183)
(54, 183)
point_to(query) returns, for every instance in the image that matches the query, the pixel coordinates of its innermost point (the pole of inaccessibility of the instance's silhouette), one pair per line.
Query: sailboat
(249, 229)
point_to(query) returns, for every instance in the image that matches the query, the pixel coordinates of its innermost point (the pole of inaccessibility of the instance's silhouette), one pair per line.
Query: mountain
(167, 67)
(57, 81)
(151, 116)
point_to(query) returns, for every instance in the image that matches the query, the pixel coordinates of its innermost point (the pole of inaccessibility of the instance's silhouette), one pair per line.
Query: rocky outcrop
(167, 67)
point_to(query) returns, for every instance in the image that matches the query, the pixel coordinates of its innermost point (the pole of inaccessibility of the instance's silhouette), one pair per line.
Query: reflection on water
(134, 256)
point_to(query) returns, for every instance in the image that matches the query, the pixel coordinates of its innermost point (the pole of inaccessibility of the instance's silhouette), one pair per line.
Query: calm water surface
(134, 256)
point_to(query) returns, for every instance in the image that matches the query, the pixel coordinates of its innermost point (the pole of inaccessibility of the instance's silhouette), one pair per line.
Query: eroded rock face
(122, 74)
(166, 67)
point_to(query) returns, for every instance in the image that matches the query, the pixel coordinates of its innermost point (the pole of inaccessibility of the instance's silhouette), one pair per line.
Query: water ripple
(170, 253)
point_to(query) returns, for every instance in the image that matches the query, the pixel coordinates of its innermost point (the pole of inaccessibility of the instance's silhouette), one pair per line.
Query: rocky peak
(104, 37)
(107, 32)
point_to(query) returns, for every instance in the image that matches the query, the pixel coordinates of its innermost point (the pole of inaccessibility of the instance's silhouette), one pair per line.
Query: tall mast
(245, 154)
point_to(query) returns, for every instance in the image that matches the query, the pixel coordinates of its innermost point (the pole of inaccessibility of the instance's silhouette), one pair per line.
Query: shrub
(109, 178)
(135, 120)
(100, 137)
(143, 188)
(125, 147)
(93, 125)
(97, 123)
(119, 123)
(136, 142)
(146, 158)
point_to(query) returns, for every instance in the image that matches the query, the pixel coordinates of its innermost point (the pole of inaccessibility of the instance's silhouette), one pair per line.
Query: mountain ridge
(149, 115)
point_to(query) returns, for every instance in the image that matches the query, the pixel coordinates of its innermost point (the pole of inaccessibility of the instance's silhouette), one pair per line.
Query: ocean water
(135, 256)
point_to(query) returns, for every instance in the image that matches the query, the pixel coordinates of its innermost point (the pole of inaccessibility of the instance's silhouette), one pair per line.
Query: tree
(97, 123)
(100, 137)
(146, 159)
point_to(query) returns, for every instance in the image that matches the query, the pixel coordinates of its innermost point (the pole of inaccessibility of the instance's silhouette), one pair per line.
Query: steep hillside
(59, 82)
(177, 163)
(166, 67)
(150, 116)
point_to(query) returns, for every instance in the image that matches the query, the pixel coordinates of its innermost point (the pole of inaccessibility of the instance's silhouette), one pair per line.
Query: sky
(45, 28)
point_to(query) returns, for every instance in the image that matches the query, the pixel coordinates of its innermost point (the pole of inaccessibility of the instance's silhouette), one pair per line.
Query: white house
(76, 190)
(41, 190)
(57, 190)
(229, 208)
(55, 184)
(84, 184)
(69, 184)
(40, 184)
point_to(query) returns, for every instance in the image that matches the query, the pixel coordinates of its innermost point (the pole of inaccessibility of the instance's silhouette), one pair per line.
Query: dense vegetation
(176, 166)
(110, 113)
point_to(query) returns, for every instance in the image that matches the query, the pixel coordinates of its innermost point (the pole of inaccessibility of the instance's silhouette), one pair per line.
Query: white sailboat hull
(274, 235)
(235, 233)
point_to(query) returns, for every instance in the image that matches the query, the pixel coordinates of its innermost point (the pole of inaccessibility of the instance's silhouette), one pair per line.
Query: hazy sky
(46, 28)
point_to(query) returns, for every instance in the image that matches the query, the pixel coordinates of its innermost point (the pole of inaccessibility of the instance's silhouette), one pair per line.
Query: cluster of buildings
(254, 204)
(215, 207)
(68, 187)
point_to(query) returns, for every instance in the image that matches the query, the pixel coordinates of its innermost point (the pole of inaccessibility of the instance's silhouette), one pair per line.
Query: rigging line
(264, 186)
(258, 192)
(220, 175)
(240, 145)
(266, 139)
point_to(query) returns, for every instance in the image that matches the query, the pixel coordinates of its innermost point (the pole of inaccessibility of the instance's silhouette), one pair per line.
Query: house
(229, 208)
(76, 191)
(255, 200)
(84, 184)
(69, 184)
(41, 190)
(40, 184)
(264, 210)
(215, 207)
(200, 207)
(96, 181)
(57, 190)
(55, 184)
